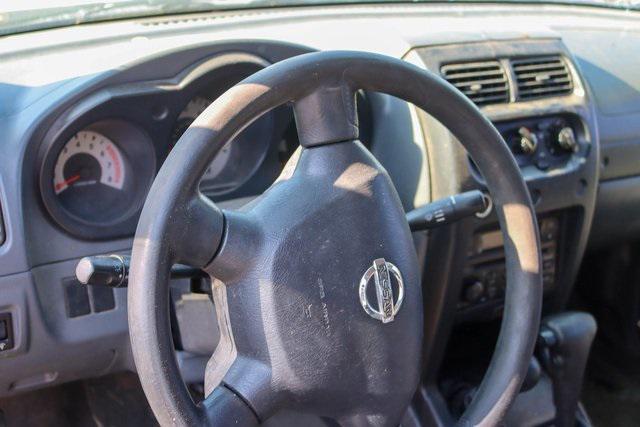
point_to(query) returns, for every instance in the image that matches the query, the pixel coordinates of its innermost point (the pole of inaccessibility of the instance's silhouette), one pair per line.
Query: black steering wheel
(297, 272)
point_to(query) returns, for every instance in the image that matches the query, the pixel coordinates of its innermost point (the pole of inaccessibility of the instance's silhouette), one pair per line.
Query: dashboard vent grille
(482, 82)
(541, 77)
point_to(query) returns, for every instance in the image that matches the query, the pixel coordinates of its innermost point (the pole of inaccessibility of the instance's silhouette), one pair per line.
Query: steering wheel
(296, 273)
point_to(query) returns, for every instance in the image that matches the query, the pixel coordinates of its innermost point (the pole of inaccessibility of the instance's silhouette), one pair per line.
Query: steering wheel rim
(179, 225)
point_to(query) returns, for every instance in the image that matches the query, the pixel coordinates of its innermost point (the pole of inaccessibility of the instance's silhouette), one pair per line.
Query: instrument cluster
(98, 161)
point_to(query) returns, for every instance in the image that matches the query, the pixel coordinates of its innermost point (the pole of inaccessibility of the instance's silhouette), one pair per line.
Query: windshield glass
(28, 15)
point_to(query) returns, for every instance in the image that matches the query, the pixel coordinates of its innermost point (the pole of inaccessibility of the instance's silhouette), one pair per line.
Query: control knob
(528, 141)
(566, 140)
(474, 292)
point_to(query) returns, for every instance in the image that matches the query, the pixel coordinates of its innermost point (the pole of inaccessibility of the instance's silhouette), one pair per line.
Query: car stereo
(485, 277)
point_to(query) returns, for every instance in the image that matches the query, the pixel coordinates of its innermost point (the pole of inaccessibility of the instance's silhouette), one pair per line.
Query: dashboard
(88, 132)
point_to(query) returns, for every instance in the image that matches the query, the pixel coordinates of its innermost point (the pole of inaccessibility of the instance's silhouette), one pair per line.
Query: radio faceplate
(484, 281)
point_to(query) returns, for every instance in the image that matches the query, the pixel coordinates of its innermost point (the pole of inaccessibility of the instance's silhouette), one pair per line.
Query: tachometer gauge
(231, 173)
(90, 177)
(191, 111)
(194, 108)
(218, 163)
(88, 159)
(95, 175)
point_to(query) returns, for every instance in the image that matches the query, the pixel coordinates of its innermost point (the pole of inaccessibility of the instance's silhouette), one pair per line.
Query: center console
(543, 147)
(533, 93)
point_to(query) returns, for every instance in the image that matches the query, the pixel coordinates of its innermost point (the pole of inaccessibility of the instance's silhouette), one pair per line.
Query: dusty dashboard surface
(86, 134)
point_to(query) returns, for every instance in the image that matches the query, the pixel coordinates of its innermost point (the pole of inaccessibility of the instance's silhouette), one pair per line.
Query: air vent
(542, 77)
(482, 82)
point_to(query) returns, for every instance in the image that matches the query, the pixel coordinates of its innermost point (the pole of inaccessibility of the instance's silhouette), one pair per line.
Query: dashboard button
(548, 264)
(542, 161)
(549, 229)
(6, 332)
(474, 292)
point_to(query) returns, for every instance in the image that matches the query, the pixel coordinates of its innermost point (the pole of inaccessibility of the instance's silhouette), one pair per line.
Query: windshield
(28, 15)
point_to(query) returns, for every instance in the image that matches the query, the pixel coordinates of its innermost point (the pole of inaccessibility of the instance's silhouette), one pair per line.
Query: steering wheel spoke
(327, 115)
(196, 231)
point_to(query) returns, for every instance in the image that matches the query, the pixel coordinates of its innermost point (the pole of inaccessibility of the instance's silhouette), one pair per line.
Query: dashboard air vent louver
(541, 77)
(482, 82)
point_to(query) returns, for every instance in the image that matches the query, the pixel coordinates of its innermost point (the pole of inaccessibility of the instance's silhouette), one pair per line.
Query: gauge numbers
(88, 158)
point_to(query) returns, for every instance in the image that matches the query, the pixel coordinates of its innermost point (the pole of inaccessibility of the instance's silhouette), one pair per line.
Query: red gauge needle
(67, 181)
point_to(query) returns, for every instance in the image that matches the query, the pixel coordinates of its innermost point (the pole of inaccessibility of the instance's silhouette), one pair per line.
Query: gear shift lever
(565, 340)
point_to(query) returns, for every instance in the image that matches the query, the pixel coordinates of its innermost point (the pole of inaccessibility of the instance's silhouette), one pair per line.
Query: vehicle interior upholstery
(416, 214)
